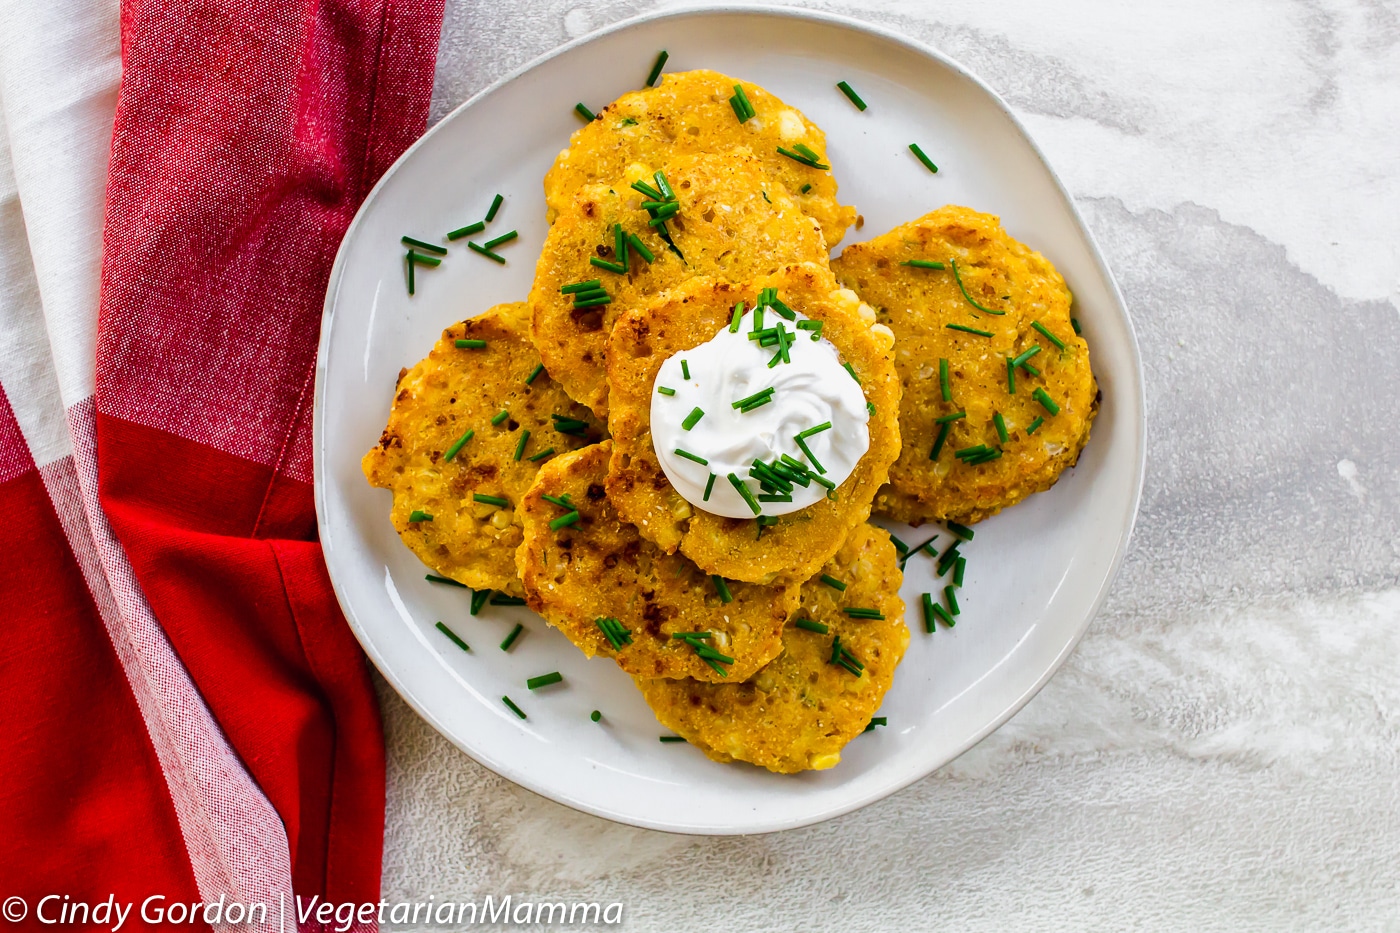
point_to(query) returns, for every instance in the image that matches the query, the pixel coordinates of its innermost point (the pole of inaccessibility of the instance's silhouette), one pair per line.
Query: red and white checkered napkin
(186, 712)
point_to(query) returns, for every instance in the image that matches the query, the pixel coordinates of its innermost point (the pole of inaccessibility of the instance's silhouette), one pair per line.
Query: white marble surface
(1223, 749)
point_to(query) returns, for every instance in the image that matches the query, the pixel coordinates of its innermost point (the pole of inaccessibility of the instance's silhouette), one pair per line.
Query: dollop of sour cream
(811, 390)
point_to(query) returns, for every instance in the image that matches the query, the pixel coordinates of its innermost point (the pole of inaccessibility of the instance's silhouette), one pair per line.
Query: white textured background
(1223, 750)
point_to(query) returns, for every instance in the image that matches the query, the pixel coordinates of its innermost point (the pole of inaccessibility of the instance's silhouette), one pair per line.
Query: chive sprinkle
(501, 599)
(851, 95)
(805, 188)
(434, 578)
(1020, 361)
(851, 369)
(500, 416)
(876, 721)
(510, 639)
(1010, 376)
(738, 484)
(418, 259)
(565, 520)
(959, 568)
(1046, 401)
(955, 416)
(520, 447)
(561, 501)
(647, 190)
(943, 616)
(734, 318)
(410, 241)
(656, 69)
(685, 369)
(544, 680)
(857, 612)
(969, 330)
(812, 625)
(490, 500)
(927, 604)
(614, 631)
(535, 458)
(666, 390)
(802, 445)
(584, 112)
(672, 738)
(824, 426)
(468, 230)
(1059, 344)
(692, 419)
(753, 401)
(692, 457)
(1074, 322)
(503, 238)
(942, 439)
(950, 593)
(409, 265)
(744, 102)
(610, 266)
(452, 636)
(962, 531)
(962, 288)
(479, 598)
(457, 446)
(513, 708)
(593, 302)
(534, 373)
(595, 715)
(469, 344)
(722, 588)
(924, 264)
(919, 153)
(1000, 423)
(1030, 369)
(496, 203)
(804, 159)
(636, 243)
(494, 257)
(418, 515)
(709, 487)
(1031, 428)
(832, 582)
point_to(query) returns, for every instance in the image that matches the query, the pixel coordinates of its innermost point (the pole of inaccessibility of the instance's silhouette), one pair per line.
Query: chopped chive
(784, 497)
(709, 487)
(490, 500)
(409, 265)
(1059, 344)
(636, 243)
(856, 612)
(646, 189)
(479, 598)
(663, 185)
(693, 457)
(959, 568)
(969, 330)
(513, 708)
(802, 445)
(876, 721)
(418, 515)
(938, 444)
(434, 578)
(738, 109)
(755, 399)
(944, 384)
(1030, 369)
(468, 230)
(832, 582)
(500, 416)
(745, 106)
(593, 302)
(418, 259)
(812, 625)
(955, 416)
(503, 238)
(950, 593)
(502, 599)
(535, 458)
(534, 373)
(685, 369)
(824, 426)
(734, 318)
(520, 446)
(1046, 401)
(452, 636)
(943, 615)
(743, 490)
(919, 153)
(722, 587)
(805, 188)
(510, 639)
(899, 545)
(973, 451)
(962, 531)
(1000, 423)
(496, 203)
(1074, 322)
(1010, 376)
(924, 264)
(692, 419)
(610, 266)
(544, 680)
(457, 446)
(870, 407)
(666, 390)
(926, 600)
(850, 369)
(962, 288)
(595, 715)
(584, 112)
(1031, 428)
(494, 257)
(565, 520)
(410, 241)
(561, 501)
(1021, 360)
(614, 631)
(672, 738)
(651, 80)
(851, 95)
(469, 344)
(620, 245)
(804, 159)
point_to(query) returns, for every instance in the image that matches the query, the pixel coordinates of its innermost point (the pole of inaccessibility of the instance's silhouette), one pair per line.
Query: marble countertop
(1223, 749)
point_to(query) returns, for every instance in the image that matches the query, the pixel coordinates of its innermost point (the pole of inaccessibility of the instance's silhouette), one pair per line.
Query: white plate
(1036, 573)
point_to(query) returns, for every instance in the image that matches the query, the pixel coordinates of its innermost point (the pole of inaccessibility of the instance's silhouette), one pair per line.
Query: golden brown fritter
(917, 303)
(735, 223)
(599, 567)
(451, 392)
(798, 712)
(689, 111)
(800, 542)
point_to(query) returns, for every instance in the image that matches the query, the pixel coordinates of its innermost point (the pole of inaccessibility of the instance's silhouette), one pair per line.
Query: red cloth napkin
(246, 136)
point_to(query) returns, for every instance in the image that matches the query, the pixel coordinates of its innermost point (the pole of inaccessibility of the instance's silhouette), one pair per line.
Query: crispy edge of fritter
(799, 542)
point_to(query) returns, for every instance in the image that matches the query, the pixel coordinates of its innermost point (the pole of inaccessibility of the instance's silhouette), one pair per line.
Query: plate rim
(1137, 408)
